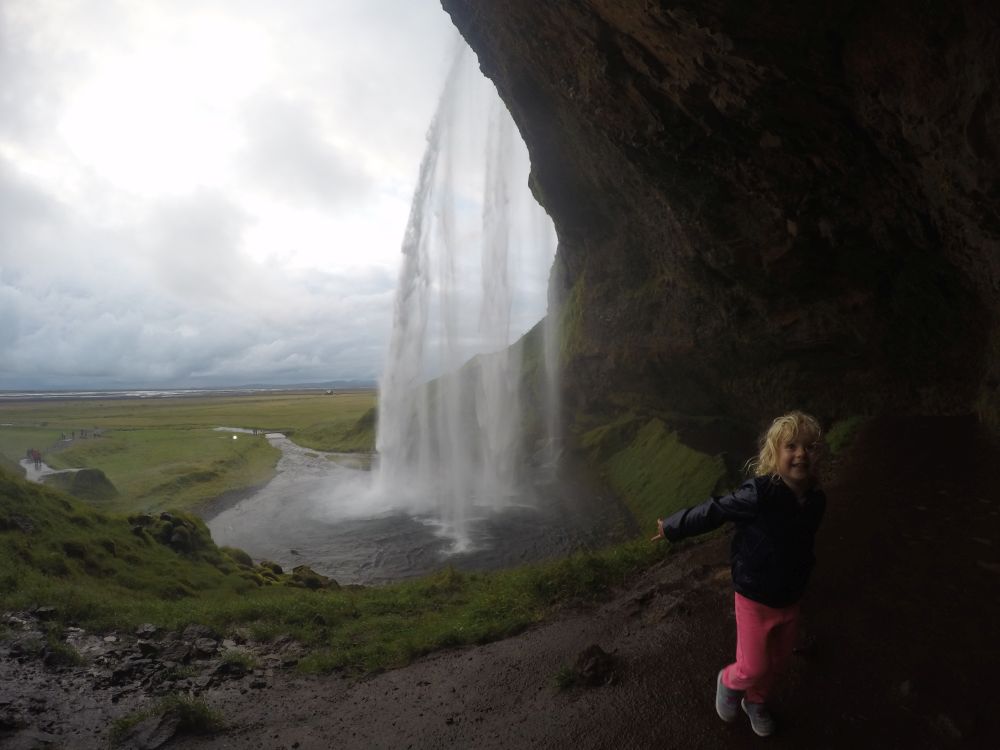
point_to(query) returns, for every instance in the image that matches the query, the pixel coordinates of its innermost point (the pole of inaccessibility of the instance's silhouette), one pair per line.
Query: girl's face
(798, 461)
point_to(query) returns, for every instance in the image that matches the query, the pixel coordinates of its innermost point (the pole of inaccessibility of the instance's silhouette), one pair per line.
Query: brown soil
(898, 649)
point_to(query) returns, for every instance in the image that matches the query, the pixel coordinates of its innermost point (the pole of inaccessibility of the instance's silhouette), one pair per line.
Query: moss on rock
(656, 474)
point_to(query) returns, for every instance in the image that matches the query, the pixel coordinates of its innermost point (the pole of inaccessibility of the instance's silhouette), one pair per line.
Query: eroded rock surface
(66, 687)
(764, 204)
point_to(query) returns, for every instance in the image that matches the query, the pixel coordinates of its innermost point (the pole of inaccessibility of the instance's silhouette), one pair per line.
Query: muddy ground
(899, 649)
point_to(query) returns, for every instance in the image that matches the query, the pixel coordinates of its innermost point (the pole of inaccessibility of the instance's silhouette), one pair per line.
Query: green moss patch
(656, 474)
(841, 435)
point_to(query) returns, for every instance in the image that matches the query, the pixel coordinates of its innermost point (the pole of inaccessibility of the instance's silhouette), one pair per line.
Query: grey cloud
(127, 331)
(288, 155)
(193, 242)
(24, 212)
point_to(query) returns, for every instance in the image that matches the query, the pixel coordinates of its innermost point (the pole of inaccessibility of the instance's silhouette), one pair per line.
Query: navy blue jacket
(772, 551)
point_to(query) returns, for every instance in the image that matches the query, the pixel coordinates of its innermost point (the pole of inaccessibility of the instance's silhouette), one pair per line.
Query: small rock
(146, 630)
(241, 636)
(178, 651)
(205, 647)
(193, 632)
(229, 669)
(595, 666)
(154, 732)
(46, 613)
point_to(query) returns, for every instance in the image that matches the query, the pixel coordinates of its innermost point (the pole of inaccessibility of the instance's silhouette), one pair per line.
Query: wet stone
(205, 647)
(194, 632)
(154, 732)
(178, 651)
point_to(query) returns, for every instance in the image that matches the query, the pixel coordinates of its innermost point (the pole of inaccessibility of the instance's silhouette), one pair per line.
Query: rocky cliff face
(764, 205)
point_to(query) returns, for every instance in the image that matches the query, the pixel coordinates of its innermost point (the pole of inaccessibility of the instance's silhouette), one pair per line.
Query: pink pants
(765, 637)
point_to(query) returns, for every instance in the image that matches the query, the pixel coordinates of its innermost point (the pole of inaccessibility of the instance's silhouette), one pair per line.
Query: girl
(776, 515)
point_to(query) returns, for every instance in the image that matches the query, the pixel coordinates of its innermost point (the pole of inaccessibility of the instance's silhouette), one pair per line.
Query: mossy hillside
(652, 470)
(55, 550)
(348, 432)
(91, 485)
(106, 572)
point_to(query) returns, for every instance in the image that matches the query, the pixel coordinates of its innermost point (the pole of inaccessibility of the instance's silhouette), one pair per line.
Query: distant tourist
(776, 515)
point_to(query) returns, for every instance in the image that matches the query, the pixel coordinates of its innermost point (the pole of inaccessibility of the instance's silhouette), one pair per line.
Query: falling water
(450, 430)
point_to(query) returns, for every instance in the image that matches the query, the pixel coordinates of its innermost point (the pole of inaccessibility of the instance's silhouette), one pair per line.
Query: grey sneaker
(761, 720)
(727, 700)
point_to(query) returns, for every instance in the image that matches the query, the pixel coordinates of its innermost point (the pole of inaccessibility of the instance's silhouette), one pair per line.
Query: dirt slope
(900, 642)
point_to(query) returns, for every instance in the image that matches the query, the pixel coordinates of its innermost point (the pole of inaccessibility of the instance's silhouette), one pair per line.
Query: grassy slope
(650, 469)
(99, 574)
(657, 474)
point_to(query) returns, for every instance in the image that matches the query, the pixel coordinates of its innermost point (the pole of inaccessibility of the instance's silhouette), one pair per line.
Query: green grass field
(162, 453)
(280, 412)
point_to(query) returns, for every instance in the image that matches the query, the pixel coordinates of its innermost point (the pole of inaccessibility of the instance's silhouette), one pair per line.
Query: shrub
(238, 556)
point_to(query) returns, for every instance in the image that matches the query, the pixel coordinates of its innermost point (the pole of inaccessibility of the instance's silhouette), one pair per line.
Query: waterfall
(450, 424)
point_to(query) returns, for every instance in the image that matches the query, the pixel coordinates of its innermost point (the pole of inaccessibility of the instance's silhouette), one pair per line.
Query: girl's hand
(659, 530)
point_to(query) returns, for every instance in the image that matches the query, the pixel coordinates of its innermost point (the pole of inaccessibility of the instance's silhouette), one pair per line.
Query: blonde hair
(791, 425)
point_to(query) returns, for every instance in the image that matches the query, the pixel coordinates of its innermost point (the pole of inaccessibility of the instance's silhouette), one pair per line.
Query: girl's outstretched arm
(738, 505)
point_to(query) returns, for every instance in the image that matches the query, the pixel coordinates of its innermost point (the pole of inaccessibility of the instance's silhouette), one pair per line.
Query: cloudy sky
(209, 192)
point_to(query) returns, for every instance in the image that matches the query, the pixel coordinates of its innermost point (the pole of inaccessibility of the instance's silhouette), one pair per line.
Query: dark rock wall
(764, 205)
